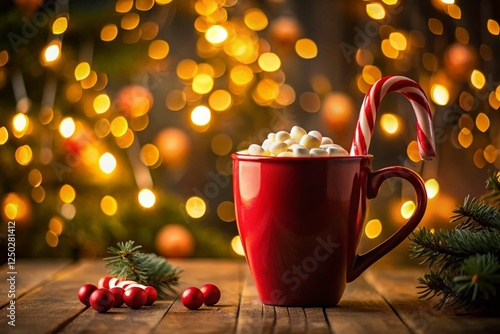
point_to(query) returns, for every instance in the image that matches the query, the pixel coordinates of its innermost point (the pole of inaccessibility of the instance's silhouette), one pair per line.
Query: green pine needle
(464, 263)
(145, 268)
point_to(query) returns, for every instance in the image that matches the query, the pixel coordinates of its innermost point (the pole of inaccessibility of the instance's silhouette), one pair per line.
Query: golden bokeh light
(440, 94)
(20, 122)
(398, 41)
(124, 6)
(371, 74)
(52, 53)
(56, 225)
(432, 188)
(435, 26)
(107, 163)
(390, 123)
(465, 137)
(221, 144)
(482, 122)
(144, 5)
(407, 209)
(126, 140)
(310, 102)
(187, 69)
(306, 48)
(375, 10)
(477, 79)
(490, 153)
(60, 25)
(119, 126)
(4, 135)
(4, 57)
(109, 32)
(24, 155)
(176, 100)
(269, 62)
(67, 194)
(38, 194)
(203, 83)
(51, 239)
(216, 34)
(255, 19)
(493, 27)
(102, 103)
(373, 228)
(195, 207)
(109, 205)
(220, 100)
(67, 127)
(82, 71)
(35, 178)
(241, 74)
(388, 50)
(225, 211)
(150, 155)
(158, 49)
(146, 198)
(130, 21)
(236, 246)
(201, 115)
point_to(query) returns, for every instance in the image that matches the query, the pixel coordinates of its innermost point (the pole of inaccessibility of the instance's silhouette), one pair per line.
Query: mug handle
(375, 180)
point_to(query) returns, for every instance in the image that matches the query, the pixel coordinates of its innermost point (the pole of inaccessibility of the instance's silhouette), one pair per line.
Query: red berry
(102, 300)
(118, 294)
(211, 294)
(85, 292)
(135, 297)
(192, 298)
(152, 295)
(104, 282)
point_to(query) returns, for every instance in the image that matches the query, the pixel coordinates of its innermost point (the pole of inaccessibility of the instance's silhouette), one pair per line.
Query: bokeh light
(432, 188)
(236, 246)
(67, 127)
(390, 123)
(107, 163)
(201, 115)
(109, 205)
(407, 209)
(195, 207)
(373, 228)
(146, 198)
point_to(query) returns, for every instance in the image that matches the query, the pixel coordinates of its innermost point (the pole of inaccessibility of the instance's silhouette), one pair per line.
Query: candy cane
(371, 103)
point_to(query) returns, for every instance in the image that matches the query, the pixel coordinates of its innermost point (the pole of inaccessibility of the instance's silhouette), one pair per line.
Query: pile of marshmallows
(297, 143)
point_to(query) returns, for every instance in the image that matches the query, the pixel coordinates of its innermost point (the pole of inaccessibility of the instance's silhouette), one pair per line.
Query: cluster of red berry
(193, 297)
(113, 292)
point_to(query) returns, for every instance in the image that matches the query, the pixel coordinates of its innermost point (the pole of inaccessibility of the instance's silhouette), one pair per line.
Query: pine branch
(493, 186)
(475, 216)
(144, 268)
(447, 248)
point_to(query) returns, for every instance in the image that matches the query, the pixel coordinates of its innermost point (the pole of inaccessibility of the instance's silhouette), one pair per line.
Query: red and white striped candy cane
(371, 103)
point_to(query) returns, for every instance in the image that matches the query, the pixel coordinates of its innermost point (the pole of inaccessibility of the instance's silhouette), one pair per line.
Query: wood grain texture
(30, 274)
(362, 309)
(399, 289)
(380, 301)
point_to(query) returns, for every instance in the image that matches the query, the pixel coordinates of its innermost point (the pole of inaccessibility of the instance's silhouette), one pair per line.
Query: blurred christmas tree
(119, 117)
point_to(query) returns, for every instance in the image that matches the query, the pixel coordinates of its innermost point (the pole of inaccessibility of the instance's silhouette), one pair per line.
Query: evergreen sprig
(464, 263)
(145, 268)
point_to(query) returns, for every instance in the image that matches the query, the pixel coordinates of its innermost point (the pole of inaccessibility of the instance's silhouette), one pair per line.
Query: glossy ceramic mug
(300, 221)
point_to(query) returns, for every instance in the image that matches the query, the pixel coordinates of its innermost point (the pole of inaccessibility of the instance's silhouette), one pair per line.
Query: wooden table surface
(380, 301)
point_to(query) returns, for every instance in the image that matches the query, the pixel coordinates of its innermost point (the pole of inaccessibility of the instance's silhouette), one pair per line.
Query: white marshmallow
(277, 147)
(318, 152)
(326, 146)
(309, 141)
(297, 132)
(285, 154)
(282, 136)
(300, 151)
(271, 137)
(337, 151)
(291, 141)
(316, 134)
(265, 144)
(326, 141)
(255, 149)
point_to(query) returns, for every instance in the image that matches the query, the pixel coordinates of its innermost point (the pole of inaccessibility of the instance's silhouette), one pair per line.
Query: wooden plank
(29, 274)
(399, 288)
(297, 320)
(252, 316)
(268, 318)
(51, 306)
(282, 324)
(221, 318)
(362, 310)
(316, 321)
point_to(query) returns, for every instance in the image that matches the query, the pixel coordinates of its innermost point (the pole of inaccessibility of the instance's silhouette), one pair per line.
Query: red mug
(300, 221)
